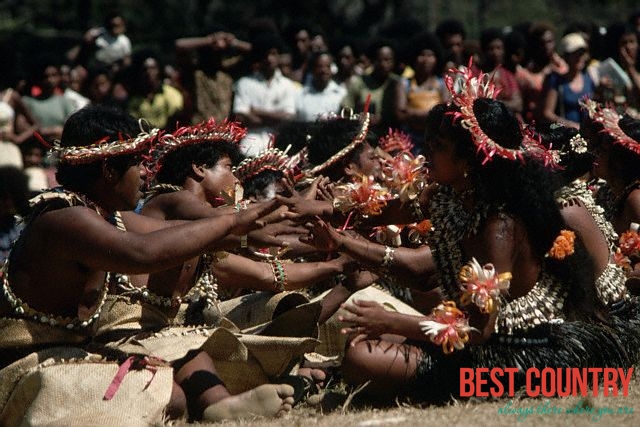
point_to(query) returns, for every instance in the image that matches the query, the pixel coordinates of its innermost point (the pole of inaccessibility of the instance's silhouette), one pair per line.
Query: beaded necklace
(158, 189)
(613, 204)
(21, 308)
(610, 284)
(451, 223)
(578, 190)
(206, 287)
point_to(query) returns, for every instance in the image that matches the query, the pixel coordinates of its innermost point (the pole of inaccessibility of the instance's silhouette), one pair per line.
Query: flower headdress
(396, 141)
(609, 118)
(203, 133)
(271, 159)
(357, 140)
(103, 148)
(465, 89)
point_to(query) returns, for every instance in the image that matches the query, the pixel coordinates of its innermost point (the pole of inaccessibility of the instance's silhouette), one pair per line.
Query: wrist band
(387, 260)
(242, 205)
(279, 275)
(416, 210)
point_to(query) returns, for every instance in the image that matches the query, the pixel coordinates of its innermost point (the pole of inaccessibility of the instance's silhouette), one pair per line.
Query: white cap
(571, 43)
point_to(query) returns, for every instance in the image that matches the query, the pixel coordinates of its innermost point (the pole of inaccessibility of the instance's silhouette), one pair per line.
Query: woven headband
(465, 89)
(207, 132)
(104, 148)
(609, 118)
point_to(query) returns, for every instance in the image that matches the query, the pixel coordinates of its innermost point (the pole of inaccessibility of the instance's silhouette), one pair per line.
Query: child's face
(368, 163)
(32, 157)
(218, 179)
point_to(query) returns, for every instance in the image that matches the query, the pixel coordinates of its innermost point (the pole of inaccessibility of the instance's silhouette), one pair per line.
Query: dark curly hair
(177, 164)
(573, 164)
(425, 41)
(330, 136)
(627, 163)
(87, 126)
(256, 185)
(294, 134)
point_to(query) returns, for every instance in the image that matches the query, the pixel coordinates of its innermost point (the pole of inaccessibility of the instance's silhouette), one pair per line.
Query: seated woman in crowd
(614, 141)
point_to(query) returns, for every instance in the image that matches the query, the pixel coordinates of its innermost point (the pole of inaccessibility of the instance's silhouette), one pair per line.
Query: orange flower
(423, 227)
(622, 260)
(630, 243)
(365, 195)
(417, 232)
(563, 245)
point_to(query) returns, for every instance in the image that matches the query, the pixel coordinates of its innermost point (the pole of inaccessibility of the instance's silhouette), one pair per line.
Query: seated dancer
(494, 222)
(53, 285)
(580, 211)
(342, 150)
(365, 182)
(343, 147)
(614, 140)
(261, 176)
(198, 161)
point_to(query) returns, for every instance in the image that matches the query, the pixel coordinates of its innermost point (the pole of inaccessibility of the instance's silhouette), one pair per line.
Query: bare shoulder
(500, 226)
(144, 224)
(175, 205)
(158, 205)
(632, 205)
(70, 222)
(62, 234)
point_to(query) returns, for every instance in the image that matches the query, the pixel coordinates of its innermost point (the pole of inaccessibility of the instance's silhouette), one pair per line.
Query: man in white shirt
(266, 98)
(320, 95)
(111, 42)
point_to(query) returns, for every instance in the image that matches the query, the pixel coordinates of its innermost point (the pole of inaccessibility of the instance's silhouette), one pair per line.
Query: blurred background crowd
(266, 63)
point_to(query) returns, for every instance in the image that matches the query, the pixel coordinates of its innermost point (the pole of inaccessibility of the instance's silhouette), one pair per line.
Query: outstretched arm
(370, 320)
(86, 238)
(235, 271)
(415, 262)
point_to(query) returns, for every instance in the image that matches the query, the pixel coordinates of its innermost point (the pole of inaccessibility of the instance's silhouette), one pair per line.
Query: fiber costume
(534, 330)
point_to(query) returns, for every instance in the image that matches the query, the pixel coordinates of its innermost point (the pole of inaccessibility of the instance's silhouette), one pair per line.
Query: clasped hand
(366, 319)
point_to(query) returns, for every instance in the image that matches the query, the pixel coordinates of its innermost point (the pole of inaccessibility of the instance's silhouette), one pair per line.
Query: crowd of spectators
(299, 73)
